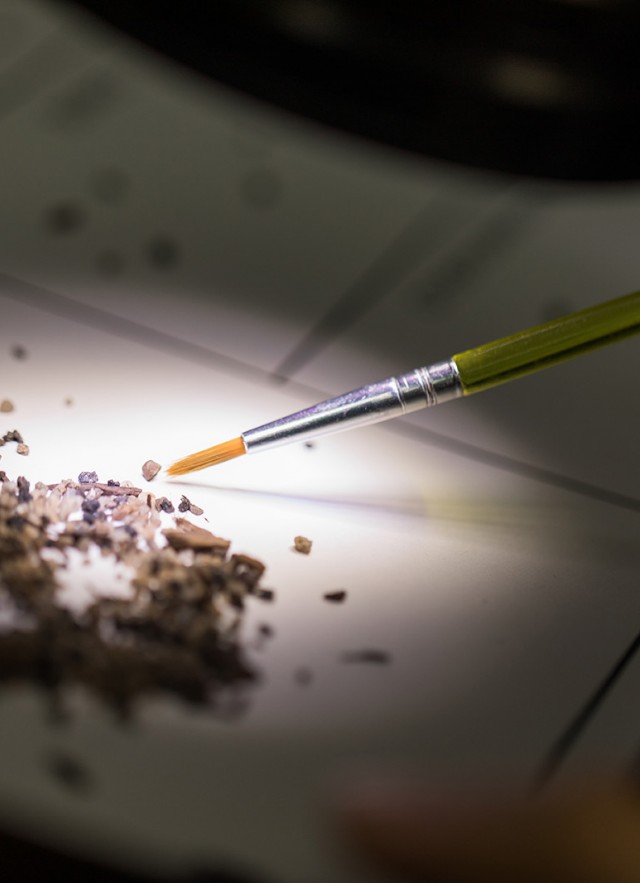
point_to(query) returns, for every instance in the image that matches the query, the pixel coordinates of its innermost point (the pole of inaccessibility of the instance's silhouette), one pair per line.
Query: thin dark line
(102, 320)
(400, 260)
(473, 249)
(33, 71)
(518, 467)
(576, 727)
(375, 282)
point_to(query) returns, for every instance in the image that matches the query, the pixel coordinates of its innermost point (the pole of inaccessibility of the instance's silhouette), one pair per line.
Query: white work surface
(185, 266)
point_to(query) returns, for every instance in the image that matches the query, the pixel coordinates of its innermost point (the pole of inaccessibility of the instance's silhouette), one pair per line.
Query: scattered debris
(179, 630)
(376, 657)
(14, 436)
(302, 544)
(111, 488)
(6, 406)
(336, 597)
(150, 469)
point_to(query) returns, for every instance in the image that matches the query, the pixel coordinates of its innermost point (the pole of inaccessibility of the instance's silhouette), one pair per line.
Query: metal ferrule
(418, 389)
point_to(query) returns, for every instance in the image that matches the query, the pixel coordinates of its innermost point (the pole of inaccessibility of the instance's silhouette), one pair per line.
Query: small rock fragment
(23, 449)
(336, 597)
(150, 469)
(24, 489)
(185, 505)
(264, 594)
(265, 630)
(164, 504)
(302, 544)
(373, 656)
(87, 477)
(190, 536)
(6, 406)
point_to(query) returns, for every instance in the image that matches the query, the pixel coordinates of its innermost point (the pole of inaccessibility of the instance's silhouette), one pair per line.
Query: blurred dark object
(26, 860)
(537, 87)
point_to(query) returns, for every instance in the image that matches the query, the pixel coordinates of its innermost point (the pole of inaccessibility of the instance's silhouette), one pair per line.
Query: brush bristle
(209, 457)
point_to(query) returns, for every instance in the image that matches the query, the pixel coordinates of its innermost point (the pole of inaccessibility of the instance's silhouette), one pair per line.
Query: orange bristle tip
(209, 457)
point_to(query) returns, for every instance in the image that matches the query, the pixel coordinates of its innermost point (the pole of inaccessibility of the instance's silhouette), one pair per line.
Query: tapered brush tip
(209, 457)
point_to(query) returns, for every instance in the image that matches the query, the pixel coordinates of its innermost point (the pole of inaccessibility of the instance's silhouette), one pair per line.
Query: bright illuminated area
(176, 267)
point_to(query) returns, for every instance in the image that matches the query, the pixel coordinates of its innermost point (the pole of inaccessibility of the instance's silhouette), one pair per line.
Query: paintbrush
(461, 375)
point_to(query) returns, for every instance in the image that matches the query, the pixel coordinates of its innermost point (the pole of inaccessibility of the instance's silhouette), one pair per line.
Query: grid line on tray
(374, 282)
(478, 244)
(405, 257)
(34, 71)
(578, 724)
(47, 300)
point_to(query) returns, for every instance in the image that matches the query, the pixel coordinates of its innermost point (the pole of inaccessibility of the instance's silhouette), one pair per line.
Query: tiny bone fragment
(23, 449)
(150, 469)
(302, 544)
(375, 657)
(336, 597)
(6, 406)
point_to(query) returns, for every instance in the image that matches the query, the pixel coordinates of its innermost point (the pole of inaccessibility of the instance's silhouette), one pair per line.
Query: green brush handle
(547, 344)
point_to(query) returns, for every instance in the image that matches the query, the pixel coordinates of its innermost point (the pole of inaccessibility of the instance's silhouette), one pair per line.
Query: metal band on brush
(360, 407)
